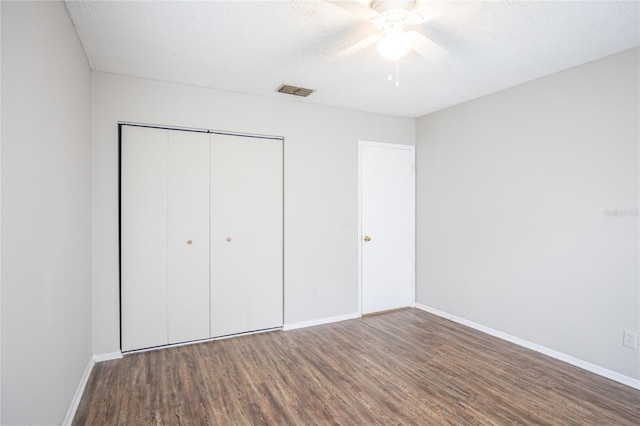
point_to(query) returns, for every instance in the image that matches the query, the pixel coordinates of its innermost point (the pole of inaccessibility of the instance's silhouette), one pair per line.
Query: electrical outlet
(630, 339)
(315, 294)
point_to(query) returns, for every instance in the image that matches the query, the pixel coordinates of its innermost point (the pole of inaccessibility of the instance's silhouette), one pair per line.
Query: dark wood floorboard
(405, 367)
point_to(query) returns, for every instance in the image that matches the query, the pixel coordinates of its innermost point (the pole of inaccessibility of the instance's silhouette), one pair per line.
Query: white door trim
(361, 144)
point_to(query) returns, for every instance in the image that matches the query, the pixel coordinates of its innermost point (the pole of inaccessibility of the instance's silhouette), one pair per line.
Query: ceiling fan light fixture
(394, 46)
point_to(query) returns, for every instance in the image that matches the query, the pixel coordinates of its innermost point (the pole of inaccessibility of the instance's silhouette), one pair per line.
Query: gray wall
(46, 207)
(513, 227)
(320, 179)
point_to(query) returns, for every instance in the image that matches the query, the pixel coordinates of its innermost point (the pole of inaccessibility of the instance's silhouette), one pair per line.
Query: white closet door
(265, 234)
(228, 235)
(246, 234)
(188, 236)
(143, 237)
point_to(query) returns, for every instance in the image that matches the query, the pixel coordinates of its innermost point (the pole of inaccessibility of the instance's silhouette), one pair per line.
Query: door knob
(367, 238)
(228, 239)
(189, 242)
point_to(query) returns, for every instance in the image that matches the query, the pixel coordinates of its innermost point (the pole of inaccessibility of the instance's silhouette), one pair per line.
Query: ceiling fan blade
(359, 46)
(426, 48)
(433, 9)
(358, 8)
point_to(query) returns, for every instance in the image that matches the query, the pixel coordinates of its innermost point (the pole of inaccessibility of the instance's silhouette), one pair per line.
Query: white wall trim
(321, 321)
(191, 342)
(360, 144)
(75, 402)
(107, 357)
(200, 130)
(609, 374)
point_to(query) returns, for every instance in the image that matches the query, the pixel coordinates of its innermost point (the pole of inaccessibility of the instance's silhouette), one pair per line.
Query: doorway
(386, 251)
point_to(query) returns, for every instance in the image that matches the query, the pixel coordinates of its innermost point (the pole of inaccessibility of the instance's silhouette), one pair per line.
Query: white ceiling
(255, 46)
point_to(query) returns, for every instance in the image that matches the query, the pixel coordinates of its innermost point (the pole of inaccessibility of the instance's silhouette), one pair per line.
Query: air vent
(297, 91)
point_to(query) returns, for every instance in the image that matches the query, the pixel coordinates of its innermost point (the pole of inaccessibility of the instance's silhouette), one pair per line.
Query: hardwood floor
(403, 367)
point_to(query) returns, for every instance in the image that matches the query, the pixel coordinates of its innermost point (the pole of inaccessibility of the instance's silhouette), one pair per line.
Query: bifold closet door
(143, 237)
(246, 234)
(188, 236)
(164, 236)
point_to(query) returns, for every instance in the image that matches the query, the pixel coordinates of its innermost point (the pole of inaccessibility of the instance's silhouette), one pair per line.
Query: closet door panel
(246, 208)
(264, 222)
(188, 236)
(228, 235)
(143, 237)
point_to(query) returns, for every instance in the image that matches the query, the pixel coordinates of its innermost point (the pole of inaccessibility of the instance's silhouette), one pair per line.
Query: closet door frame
(144, 244)
(119, 186)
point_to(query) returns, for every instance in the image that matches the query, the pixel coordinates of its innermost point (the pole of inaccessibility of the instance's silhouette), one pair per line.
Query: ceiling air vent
(297, 91)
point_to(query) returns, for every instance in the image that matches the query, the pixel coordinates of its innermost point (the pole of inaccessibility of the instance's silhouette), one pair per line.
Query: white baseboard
(620, 378)
(107, 357)
(75, 402)
(321, 321)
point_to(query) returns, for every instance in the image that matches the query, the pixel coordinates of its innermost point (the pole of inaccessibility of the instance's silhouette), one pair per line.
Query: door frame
(120, 125)
(412, 149)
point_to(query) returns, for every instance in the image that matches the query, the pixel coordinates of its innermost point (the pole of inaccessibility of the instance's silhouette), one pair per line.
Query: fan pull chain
(390, 76)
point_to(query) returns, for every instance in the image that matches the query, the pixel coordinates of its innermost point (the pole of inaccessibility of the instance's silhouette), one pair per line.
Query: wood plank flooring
(405, 367)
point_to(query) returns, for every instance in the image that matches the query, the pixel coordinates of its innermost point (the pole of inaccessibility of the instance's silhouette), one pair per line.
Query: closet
(200, 235)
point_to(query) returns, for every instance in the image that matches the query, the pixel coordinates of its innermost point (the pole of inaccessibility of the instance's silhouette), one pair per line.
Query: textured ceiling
(255, 46)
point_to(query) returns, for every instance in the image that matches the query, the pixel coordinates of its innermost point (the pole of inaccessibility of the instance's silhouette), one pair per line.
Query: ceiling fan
(392, 18)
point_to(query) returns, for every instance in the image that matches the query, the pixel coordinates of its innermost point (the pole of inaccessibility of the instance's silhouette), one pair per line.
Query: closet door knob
(189, 242)
(228, 239)
(367, 238)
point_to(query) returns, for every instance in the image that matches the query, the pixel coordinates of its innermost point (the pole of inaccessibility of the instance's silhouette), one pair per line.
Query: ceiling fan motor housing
(393, 15)
(385, 6)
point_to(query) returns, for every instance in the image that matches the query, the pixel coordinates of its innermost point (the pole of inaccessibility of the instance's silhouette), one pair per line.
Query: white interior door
(143, 243)
(188, 236)
(387, 226)
(246, 234)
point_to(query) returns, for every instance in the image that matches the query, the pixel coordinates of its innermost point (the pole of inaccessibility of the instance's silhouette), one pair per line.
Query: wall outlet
(315, 294)
(630, 339)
